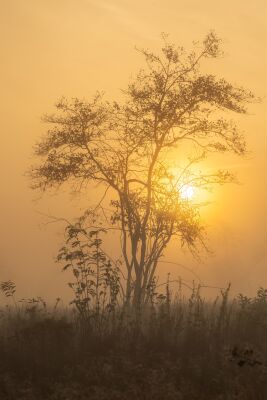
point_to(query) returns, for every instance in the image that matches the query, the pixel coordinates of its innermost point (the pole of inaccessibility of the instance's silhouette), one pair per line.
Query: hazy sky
(51, 48)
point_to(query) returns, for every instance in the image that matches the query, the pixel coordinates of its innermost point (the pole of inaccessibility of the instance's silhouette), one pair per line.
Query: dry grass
(185, 348)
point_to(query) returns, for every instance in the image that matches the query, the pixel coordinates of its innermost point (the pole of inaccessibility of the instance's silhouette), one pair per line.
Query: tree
(124, 147)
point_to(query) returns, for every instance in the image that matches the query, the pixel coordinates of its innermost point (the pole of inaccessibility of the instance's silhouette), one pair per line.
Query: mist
(52, 49)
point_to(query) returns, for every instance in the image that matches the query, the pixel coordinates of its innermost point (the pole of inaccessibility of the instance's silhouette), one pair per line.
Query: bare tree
(125, 147)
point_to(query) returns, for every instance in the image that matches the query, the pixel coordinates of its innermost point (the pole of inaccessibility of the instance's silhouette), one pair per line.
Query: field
(177, 347)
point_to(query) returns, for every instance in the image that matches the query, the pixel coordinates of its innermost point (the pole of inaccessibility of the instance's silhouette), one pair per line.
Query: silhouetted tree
(125, 146)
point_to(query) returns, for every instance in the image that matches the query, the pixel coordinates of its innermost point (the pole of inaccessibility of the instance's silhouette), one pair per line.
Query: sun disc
(187, 192)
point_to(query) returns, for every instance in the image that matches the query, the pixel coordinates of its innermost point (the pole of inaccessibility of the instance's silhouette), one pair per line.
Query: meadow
(176, 346)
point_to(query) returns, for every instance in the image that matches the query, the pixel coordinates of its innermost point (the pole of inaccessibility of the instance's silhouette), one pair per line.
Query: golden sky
(51, 48)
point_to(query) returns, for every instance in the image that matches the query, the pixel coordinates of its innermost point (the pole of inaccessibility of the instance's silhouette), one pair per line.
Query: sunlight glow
(187, 192)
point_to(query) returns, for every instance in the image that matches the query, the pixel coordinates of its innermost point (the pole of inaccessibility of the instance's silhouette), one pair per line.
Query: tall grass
(177, 347)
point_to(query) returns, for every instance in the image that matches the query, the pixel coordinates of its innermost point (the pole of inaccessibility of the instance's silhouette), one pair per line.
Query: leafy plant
(8, 288)
(97, 282)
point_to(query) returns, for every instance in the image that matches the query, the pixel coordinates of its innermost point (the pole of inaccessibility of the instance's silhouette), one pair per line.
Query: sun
(187, 192)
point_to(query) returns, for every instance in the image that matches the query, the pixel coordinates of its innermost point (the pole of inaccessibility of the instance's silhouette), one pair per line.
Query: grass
(181, 348)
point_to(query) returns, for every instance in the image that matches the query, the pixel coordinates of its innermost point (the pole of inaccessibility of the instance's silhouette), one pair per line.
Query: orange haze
(73, 48)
